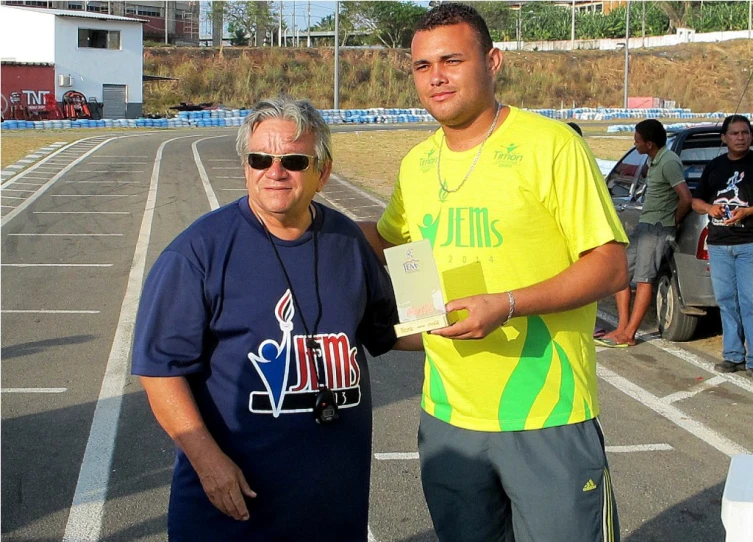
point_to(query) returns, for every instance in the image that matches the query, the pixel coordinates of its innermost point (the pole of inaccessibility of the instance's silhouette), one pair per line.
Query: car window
(622, 177)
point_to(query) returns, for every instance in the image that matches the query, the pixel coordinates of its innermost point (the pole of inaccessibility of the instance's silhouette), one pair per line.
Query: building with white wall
(98, 55)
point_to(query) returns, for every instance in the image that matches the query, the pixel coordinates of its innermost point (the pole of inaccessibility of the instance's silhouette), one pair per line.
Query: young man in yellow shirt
(526, 240)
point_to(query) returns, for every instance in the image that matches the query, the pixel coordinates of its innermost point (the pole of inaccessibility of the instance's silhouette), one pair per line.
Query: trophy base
(419, 326)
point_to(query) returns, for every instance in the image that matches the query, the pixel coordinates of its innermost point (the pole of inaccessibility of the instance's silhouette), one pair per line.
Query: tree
(390, 23)
(500, 19)
(346, 28)
(249, 19)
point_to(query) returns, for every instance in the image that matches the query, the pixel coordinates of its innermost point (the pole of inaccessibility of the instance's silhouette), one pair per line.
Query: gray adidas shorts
(648, 245)
(545, 485)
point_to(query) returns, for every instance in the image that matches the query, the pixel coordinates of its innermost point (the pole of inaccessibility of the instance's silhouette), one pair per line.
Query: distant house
(51, 50)
(168, 22)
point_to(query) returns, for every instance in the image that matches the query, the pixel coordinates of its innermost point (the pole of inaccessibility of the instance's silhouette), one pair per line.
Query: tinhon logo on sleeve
(286, 367)
(506, 156)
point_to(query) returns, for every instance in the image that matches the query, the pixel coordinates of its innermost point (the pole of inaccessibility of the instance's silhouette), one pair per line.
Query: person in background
(575, 127)
(667, 201)
(250, 343)
(526, 240)
(726, 195)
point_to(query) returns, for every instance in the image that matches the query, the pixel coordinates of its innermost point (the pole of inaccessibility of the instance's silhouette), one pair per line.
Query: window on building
(99, 39)
(144, 11)
(76, 6)
(99, 7)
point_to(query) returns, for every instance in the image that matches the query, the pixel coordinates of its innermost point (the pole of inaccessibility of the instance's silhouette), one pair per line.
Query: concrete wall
(683, 36)
(27, 36)
(91, 68)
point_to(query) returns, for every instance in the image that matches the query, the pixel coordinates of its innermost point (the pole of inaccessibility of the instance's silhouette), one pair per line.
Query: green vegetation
(704, 77)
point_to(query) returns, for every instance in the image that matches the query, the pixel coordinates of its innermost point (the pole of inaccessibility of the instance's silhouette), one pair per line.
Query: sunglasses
(291, 162)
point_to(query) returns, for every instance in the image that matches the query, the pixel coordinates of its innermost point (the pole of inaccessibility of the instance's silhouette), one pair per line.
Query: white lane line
(121, 156)
(17, 190)
(366, 195)
(56, 265)
(31, 184)
(639, 448)
(13, 166)
(409, 456)
(87, 509)
(25, 161)
(109, 171)
(671, 413)
(29, 178)
(81, 212)
(392, 456)
(65, 234)
(737, 380)
(695, 390)
(337, 206)
(114, 163)
(106, 182)
(12, 197)
(211, 196)
(47, 311)
(10, 216)
(93, 195)
(33, 390)
(7, 207)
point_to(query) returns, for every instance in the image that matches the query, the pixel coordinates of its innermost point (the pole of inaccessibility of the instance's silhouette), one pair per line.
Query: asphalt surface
(83, 458)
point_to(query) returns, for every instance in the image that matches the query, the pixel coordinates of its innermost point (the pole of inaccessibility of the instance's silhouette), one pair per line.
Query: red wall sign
(31, 82)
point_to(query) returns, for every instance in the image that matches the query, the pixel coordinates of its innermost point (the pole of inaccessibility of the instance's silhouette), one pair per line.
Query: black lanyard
(311, 343)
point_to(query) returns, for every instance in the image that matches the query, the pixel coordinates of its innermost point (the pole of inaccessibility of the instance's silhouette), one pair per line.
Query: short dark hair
(732, 119)
(450, 13)
(652, 130)
(576, 128)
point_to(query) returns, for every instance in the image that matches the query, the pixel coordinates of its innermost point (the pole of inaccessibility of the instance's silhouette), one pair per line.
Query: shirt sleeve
(376, 330)
(172, 319)
(704, 186)
(581, 202)
(673, 172)
(393, 225)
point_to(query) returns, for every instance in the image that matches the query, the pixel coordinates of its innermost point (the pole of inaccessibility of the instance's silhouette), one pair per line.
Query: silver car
(683, 287)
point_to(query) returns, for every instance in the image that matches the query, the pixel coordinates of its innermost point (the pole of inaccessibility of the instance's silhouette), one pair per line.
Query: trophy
(418, 291)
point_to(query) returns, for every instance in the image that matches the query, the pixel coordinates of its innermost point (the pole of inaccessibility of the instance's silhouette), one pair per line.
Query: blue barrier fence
(378, 115)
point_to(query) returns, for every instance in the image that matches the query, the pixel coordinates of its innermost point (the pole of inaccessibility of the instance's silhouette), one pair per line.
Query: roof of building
(17, 63)
(79, 14)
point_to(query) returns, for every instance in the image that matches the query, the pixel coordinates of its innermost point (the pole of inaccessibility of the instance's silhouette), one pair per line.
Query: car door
(626, 183)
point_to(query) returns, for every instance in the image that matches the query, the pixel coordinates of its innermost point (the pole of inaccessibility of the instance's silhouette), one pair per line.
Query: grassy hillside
(702, 76)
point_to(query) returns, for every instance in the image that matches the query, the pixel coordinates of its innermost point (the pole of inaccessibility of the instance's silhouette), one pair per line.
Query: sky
(319, 10)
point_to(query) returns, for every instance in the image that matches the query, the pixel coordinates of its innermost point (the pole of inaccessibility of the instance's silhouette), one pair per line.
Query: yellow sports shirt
(534, 202)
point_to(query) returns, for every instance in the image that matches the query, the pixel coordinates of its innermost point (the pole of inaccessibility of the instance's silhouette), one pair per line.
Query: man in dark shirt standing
(250, 342)
(725, 194)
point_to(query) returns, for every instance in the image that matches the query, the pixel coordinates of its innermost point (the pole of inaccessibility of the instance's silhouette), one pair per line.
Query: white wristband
(510, 312)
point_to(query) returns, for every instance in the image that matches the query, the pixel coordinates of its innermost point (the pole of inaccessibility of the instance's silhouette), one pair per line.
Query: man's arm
(375, 239)
(701, 207)
(685, 203)
(174, 407)
(410, 342)
(598, 273)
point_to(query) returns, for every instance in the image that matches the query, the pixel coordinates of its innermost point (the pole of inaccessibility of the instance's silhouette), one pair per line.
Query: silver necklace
(473, 165)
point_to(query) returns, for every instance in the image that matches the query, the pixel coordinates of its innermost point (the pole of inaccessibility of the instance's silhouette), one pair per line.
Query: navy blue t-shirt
(217, 309)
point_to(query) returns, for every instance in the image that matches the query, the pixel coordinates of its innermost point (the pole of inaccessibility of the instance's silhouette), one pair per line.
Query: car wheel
(674, 325)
